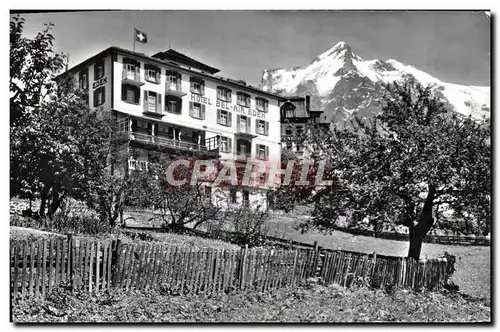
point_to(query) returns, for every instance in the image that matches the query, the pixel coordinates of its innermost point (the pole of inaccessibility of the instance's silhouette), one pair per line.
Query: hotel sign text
(228, 107)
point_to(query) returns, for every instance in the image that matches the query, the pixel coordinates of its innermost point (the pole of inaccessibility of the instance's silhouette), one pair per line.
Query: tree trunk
(425, 222)
(43, 201)
(54, 205)
(416, 240)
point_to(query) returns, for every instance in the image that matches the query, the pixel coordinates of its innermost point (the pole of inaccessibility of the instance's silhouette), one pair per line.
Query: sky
(452, 46)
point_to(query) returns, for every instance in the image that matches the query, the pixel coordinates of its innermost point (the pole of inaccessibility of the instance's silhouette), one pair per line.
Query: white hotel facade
(176, 104)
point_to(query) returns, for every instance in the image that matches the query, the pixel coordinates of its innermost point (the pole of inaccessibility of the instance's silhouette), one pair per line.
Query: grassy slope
(303, 304)
(473, 263)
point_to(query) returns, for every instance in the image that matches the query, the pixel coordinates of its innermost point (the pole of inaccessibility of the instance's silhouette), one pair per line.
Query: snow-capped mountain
(343, 84)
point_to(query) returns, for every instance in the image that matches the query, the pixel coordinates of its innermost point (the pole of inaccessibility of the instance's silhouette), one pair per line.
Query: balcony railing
(243, 156)
(174, 89)
(131, 77)
(244, 131)
(167, 142)
(138, 165)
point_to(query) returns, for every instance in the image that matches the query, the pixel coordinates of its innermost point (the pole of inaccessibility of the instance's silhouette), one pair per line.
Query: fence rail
(463, 240)
(38, 267)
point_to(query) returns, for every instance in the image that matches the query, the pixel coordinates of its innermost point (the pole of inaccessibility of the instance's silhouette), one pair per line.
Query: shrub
(248, 225)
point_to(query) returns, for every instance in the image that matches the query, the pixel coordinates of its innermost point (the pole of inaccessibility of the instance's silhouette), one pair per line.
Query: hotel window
(289, 131)
(197, 110)
(173, 81)
(153, 74)
(262, 152)
(243, 124)
(224, 118)
(83, 79)
(99, 96)
(243, 99)
(262, 127)
(99, 70)
(173, 104)
(152, 102)
(243, 147)
(197, 86)
(290, 113)
(130, 94)
(289, 146)
(225, 144)
(224, 94)
(261, 104)
(132, 69)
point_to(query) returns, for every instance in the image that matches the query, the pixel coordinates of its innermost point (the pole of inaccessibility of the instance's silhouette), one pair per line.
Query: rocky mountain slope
(342, 84)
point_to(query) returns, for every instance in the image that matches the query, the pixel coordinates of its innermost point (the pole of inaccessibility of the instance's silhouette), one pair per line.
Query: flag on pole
(140, 36)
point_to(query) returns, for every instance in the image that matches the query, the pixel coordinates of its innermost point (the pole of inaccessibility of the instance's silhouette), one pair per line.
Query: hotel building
(172, 103)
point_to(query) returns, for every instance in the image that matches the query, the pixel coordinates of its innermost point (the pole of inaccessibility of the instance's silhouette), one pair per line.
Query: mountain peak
(341, 50)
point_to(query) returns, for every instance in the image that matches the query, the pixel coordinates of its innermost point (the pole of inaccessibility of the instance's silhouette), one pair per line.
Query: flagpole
(134, 38)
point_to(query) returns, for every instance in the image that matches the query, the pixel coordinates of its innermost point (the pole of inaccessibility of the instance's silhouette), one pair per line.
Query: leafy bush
(247, 225)
(64, 224)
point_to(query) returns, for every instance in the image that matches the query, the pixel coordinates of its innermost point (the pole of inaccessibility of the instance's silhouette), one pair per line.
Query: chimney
(308, 103)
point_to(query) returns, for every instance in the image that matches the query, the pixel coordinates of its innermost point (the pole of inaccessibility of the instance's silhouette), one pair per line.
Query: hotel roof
(168, 61)
(173, 55)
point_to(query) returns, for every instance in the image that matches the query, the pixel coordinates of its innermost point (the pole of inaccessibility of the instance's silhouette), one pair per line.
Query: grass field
(473, 263)
(309, 303)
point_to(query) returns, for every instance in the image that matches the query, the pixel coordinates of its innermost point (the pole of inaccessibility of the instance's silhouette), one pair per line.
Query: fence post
(373, 267)
(242, 265)
(316, 260)
(114, 260)
(70, 259)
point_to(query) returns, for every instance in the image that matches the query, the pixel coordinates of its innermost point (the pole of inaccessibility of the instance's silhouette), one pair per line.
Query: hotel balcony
(133, 78)
(147, 135)
(169, 143)
(174, 89)
(244, 132)
(242, 157)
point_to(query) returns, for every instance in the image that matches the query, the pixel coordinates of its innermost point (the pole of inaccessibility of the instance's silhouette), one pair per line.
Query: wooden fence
(38, 267)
